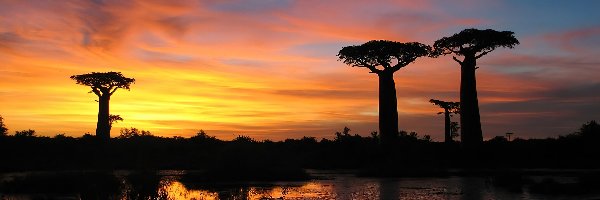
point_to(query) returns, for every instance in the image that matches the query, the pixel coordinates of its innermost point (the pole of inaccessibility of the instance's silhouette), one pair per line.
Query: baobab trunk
(470, 134)
(448, 134)
(103, 125)
(388, 107)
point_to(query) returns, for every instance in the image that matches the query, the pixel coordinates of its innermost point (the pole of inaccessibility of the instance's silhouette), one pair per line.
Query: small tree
(113, 119)
(25, 133)
(133, 132)
(202, 136)
(384, 58)
(104, 85)
(508, 134)
(590, 130)
(472, 44)
(3, 129)
(454, 130)
(449, 109)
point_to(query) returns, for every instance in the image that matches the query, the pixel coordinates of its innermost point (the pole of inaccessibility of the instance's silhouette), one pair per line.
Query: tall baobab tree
(384, 58)
(104, 85)
(472, 44)
(449, 109)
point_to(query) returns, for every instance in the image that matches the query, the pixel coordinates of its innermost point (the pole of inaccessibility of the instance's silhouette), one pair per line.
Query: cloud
(9, 39)
(580, 40)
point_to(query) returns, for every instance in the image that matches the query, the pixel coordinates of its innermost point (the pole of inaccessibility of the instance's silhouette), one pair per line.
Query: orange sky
(268, 69)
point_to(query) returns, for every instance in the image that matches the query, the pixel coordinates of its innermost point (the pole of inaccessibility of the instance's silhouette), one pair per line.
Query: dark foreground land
(139, 165)
(410, 155)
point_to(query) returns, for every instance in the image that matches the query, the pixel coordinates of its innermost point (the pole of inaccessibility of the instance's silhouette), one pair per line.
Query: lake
(171, 184)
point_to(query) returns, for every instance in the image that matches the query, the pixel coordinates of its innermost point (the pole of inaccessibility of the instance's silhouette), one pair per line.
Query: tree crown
(453, 107)
(473, 41)
(383, 53)
(104, 82)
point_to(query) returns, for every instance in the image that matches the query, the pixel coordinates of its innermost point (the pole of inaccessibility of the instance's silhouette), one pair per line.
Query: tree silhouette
(114, 119)
(508, 134)
(104, 85)
(3, 129)
(590, 130)
(449, 109)
(454, 129)
(133, 132)
(384, 58)
(472, 44)
(25, 133)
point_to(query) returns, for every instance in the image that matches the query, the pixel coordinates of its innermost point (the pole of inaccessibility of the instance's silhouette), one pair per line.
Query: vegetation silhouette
(384, 58)
(3, 129)
(104, 85)
(472, 44)
(449, 109)
(454, 127)
(25, 133)
(590, 130)
(113, 119)
(141, 150)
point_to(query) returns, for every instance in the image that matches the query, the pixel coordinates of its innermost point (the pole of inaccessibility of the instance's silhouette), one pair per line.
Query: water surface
(327, 185)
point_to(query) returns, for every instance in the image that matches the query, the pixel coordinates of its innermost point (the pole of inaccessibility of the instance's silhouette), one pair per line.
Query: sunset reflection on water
(177, 190)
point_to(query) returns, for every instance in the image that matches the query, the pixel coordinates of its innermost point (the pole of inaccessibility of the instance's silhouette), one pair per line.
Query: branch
(482, 54)
(370, 67)
(402, 64)
(104, 90)
(385, 64)
(456, 59)
(113, 91)
(96, 91)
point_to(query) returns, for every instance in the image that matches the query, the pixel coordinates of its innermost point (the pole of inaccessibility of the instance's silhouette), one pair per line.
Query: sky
(268, 68)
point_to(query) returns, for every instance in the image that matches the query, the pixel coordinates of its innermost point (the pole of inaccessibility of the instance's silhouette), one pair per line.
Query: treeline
(138, 149)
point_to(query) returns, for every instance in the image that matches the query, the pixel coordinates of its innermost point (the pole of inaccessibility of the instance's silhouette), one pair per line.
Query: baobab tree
(384, 58)
(471, 44)
(104, 85)
(449, 109)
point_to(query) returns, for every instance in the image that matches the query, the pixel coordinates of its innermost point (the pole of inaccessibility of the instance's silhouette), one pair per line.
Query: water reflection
(169, 185)
(176, 190)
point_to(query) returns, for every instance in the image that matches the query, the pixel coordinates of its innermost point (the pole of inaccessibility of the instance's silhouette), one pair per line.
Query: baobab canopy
(110, 81)
(453, 107)
(382, 53)
(472, 41)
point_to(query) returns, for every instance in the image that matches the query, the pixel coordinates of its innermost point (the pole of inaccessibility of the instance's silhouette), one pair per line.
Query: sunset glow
(268, 69)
